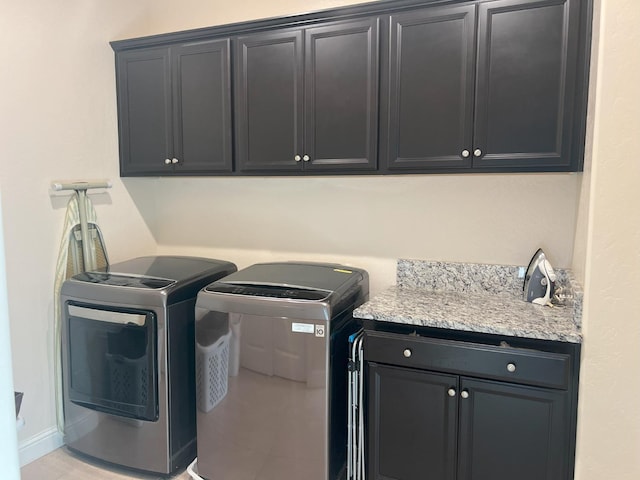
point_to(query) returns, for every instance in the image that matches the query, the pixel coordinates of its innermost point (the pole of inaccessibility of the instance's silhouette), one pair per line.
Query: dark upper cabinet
(268, 101)
(144, 111)
(525, 84)
(174, 109)
(390, 87)
(306, 100)
(427, 112)
(505, 95)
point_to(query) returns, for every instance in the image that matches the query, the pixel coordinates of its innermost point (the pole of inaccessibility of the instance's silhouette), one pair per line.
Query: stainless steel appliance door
(112, 360)
(262, 397)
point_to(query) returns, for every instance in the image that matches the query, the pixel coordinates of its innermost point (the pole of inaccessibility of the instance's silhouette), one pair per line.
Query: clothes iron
(539, 281)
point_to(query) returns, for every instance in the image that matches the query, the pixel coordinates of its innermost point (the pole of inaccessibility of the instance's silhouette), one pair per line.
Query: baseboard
(39, 445)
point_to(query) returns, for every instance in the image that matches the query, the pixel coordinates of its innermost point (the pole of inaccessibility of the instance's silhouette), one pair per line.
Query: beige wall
(59, 121)
(609, 414)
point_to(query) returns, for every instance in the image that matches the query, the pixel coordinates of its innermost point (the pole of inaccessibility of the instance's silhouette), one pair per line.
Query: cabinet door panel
(412, 424)
(429, 91)
(144, 111)
(509, 432)
(341, 84)
(202, 126)
(525, 82)
(269, 87)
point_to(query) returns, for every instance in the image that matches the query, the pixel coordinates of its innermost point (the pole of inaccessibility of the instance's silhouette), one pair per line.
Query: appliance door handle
(107, 316)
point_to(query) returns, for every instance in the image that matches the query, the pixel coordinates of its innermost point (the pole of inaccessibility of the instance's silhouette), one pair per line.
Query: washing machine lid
(289, 280)
(311, 291)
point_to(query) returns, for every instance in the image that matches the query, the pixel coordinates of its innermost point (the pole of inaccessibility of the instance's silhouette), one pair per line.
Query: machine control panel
(274, 291)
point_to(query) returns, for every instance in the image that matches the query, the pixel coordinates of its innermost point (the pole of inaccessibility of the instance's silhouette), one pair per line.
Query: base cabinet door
(511, 432)
(412, 421)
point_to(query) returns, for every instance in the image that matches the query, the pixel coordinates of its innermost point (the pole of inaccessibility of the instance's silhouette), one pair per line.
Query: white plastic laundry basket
(192, 470)
(212, 372)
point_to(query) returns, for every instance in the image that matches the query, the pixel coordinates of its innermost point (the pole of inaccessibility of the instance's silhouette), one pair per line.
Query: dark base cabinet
(443, 409)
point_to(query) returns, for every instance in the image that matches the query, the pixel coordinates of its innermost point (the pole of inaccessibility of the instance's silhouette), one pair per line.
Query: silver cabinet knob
(305, 158)
(477, 152)
(174, 160)
(407, 352)
(297, 158)
(451, 392)
(465, 153)
(511, 367)
(167, 161)
(464, 393)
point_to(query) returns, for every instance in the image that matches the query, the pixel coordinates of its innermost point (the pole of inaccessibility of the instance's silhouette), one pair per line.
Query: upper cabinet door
(144, 111)
(202, 92)
(269, 95)
(526, 79)
(428, 95)
(341, 96)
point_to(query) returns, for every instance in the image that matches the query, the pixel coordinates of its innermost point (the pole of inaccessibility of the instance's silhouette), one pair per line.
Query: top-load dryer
(271, 371)
(128, 360)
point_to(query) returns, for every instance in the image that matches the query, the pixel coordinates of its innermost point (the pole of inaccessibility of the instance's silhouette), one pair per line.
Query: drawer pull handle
(464, 394)
(511, 367)
(451, 392)
(407, 352)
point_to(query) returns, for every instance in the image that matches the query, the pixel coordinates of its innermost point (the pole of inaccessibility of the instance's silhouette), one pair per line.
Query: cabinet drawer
(516, 365)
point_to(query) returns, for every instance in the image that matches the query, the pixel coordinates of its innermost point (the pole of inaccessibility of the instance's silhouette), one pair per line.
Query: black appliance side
(342, 327)
(181, 387)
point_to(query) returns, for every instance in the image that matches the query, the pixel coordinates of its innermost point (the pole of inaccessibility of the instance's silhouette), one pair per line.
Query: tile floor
(64, 465)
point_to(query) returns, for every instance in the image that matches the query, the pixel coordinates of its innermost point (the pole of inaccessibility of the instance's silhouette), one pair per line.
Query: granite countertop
(475, 298)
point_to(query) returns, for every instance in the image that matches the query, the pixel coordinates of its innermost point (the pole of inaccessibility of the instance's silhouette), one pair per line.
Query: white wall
(8, 435)
(59, 121)
(370, 222)
(609, 413)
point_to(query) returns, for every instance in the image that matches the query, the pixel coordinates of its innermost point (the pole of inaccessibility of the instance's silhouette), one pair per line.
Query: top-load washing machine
(272, 368)
(128, 360)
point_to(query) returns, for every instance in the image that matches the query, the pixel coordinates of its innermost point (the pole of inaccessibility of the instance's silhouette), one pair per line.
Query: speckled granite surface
(477, 298)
